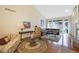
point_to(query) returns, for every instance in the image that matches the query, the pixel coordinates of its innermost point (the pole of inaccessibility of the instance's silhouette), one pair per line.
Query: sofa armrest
(11, 46)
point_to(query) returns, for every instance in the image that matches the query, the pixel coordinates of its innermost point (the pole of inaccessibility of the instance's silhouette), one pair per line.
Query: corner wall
(11, 22)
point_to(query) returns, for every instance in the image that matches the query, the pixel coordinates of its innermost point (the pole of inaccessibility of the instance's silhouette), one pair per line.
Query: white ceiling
(49, 11)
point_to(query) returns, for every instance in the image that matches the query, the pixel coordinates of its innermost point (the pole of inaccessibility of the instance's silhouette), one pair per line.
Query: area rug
(41, 47)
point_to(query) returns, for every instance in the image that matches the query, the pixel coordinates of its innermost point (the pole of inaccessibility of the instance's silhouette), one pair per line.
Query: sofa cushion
(6, 39)
(2, 41)
(11, 36)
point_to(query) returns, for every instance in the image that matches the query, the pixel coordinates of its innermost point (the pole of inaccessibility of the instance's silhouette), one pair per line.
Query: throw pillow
(2, 41)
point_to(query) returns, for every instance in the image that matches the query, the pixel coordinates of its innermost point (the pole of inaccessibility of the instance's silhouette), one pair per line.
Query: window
(49, 24)
(42, 23)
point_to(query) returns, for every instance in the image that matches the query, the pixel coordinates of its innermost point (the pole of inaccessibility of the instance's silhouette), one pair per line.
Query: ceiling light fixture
(66, 11)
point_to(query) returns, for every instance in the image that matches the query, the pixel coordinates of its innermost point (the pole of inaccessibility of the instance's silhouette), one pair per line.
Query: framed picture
(27, 24)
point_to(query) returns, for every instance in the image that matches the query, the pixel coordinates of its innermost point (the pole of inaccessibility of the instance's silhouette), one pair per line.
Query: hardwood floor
(75, 49)
(66, 46)
(58, 48)
(54, 48)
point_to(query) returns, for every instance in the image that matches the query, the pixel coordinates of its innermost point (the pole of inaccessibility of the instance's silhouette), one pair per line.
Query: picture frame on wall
(27, 25)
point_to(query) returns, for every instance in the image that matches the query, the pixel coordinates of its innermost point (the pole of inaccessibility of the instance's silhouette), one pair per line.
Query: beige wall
(11, 22)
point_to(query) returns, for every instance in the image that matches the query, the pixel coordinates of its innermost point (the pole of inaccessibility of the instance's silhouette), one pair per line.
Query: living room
(17, 21)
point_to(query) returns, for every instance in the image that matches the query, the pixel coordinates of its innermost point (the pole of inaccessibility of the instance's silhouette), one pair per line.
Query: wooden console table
(24, 32)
